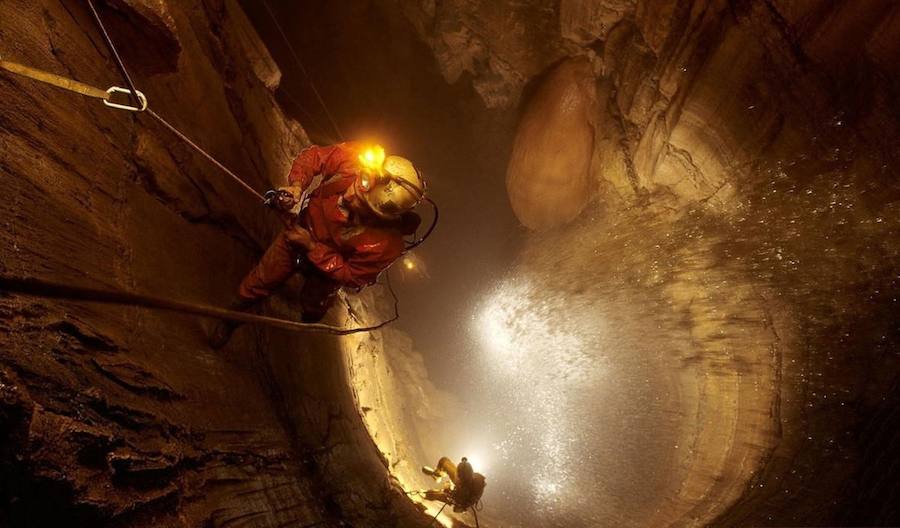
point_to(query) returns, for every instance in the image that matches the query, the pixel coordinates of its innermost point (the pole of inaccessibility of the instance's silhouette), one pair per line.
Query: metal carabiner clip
(117, 90)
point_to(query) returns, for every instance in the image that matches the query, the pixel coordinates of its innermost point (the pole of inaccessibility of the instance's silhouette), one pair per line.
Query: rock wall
(692, 94)
(743, 186)
(117, 416)
(410, 419)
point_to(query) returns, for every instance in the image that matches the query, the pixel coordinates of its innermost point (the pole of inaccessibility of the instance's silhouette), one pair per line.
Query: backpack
(468, 494)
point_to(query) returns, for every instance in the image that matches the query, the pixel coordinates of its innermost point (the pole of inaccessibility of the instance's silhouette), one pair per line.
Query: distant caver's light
(413, 267)
(526, 333)
(477, 458)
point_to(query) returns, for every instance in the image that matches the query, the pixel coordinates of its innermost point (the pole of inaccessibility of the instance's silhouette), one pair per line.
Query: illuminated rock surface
(708, 334)
(548, 179)
(715, 339)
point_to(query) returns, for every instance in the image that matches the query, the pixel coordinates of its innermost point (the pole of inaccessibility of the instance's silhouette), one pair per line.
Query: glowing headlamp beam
(373, 158)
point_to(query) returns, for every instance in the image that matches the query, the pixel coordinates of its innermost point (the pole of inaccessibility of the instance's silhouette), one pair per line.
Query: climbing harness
(274, 197)
(139, 104)
(475, 507)
(296, 57)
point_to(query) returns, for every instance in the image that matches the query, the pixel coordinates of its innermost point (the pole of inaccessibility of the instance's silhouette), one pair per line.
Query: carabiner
(116, 90)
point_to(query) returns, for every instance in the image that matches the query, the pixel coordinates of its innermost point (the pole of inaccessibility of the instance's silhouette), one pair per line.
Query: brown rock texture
(117, 416)
(548, 179)
(746, 204)
(692, 93)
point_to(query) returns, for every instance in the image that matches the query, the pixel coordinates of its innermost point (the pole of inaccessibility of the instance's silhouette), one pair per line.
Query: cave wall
(410, 419)
(381, 83)
(117, 416)
(693, 94)
(739, 227)
(744, 170)
(548, 179)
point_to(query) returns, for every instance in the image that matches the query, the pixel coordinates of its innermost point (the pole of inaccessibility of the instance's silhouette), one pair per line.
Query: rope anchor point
(142, 99)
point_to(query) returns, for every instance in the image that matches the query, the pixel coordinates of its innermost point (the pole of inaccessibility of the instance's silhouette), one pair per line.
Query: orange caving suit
(347, 250)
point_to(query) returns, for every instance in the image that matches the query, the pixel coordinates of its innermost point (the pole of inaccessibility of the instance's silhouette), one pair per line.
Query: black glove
(279, 199)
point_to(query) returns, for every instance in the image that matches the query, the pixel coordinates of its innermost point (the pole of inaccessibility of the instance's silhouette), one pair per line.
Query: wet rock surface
(732, 286)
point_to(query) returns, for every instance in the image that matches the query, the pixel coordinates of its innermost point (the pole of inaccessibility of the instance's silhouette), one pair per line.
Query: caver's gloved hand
(285, 199)
(299, 237)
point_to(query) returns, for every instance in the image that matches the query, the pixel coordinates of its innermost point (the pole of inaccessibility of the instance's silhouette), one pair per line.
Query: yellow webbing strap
(56, 80)
(73, 86)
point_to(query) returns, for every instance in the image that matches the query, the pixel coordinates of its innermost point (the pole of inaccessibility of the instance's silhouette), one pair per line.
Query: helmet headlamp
(372, 159)
(389, 185)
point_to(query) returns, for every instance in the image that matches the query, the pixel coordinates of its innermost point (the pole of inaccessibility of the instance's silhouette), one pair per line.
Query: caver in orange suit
(347, 249)
(350, 230)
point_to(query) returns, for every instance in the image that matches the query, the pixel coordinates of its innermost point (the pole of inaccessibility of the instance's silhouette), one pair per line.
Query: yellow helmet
(390, 185)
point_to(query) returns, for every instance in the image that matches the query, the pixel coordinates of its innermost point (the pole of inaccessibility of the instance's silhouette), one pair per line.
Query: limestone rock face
(147, 32)
(743, 158)
(117, 416)
(548, 179)
(710, 191)
(586, 22)
(498, 45)
(696, 92)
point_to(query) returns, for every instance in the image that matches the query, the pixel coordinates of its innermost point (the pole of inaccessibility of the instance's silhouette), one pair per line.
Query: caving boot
(436, 474)
(220, 333)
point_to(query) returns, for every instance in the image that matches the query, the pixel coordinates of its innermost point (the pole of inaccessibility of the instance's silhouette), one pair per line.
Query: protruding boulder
(548, 177)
